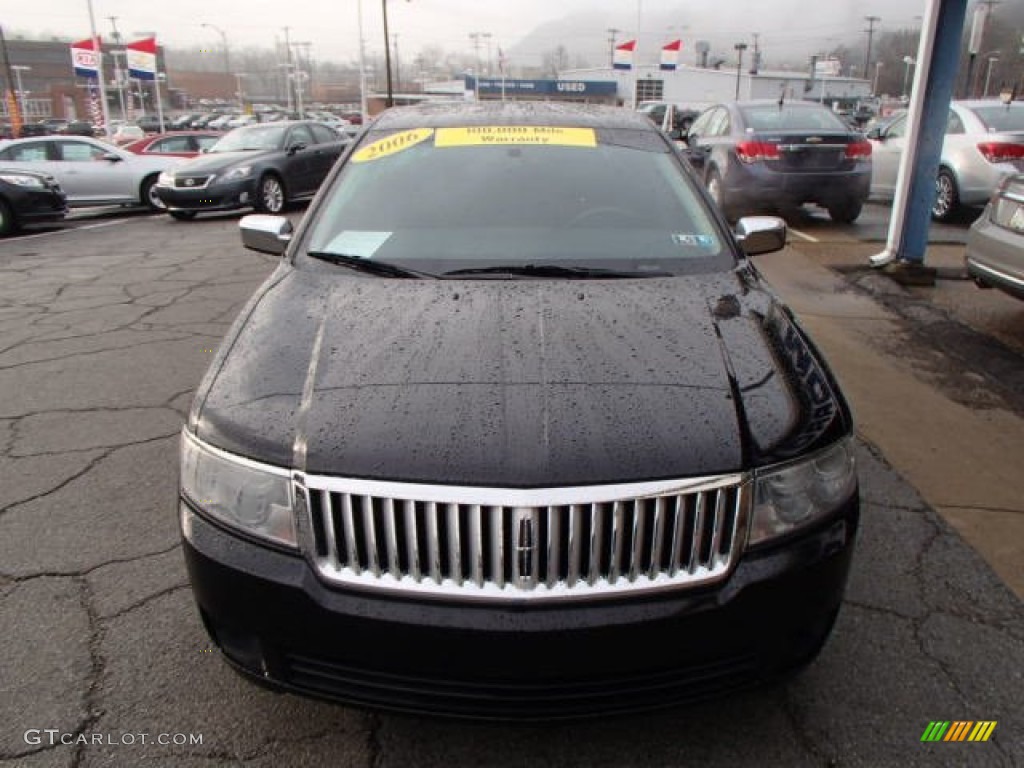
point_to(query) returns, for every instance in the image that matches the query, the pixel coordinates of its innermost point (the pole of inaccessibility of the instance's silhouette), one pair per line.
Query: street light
(909, 62)
(874, 86)
(224, 41)
(740, 48)
(19, 68)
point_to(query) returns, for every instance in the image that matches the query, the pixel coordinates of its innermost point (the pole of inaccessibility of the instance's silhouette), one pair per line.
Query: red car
(177, 144)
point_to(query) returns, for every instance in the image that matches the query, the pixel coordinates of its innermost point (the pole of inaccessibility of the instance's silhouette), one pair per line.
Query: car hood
(217, 161)
(524, 383)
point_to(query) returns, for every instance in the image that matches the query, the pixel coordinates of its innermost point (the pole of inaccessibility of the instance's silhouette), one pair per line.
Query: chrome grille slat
(476, 544)
(554, 550)
(412, 544)
(575, 544)
(463, 548)
(639, 532)
(349, 533)
(433, 545)
(656, 541)
(454, 544)
(596, 537)
(698, 533)
(679, 522)
(370, 531)
(391, 538)
(327, 510)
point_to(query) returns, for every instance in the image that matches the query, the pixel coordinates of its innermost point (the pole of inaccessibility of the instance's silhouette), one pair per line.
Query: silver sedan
(995, 243)
(90, 171)
(984, 143)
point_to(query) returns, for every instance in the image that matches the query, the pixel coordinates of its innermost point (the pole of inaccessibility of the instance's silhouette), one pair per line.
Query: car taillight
(858, 149)
(1001, 151)
(753, 151)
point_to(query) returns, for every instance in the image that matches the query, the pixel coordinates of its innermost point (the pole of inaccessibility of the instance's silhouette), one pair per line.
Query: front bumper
(224, 196)
(38, 205)
(277, 623)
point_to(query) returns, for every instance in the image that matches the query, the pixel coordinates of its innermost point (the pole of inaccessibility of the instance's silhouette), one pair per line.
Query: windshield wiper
(551, 270)
(366, 265)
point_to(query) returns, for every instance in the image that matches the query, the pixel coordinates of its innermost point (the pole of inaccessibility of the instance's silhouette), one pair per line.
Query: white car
(90, 171)
(984, 143)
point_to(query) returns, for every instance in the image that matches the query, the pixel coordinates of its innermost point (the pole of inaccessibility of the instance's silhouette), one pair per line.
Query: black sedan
(259, 166)
(775, 156)
(540, 446)
(28, 197)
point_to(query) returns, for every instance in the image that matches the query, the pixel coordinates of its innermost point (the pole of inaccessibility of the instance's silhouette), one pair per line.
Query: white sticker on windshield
(354, 242)
(707, 242)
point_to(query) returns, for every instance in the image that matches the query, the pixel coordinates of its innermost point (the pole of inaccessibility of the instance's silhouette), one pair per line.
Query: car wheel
(717, 192)
(270, 196)
(947, 198)
(149, 196)
(8, 223)
(183, 215)
(845, 212)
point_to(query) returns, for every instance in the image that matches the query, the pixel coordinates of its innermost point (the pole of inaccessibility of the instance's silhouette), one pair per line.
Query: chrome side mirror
(266, 234)
(761, 234)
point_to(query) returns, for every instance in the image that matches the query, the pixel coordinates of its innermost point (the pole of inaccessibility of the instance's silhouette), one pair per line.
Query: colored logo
(958, 730)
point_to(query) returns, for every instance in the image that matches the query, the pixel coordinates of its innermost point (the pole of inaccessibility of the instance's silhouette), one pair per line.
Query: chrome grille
(459, 542)
(192, 182)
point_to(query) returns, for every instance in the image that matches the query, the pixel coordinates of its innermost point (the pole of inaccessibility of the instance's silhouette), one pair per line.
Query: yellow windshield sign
(474, 136)
(396, 142)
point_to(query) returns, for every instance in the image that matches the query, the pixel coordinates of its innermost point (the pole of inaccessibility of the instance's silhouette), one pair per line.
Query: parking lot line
(74, 229)
(804, 236)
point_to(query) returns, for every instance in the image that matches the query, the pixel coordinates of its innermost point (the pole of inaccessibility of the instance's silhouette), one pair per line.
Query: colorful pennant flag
(623, 56)
(670, 54)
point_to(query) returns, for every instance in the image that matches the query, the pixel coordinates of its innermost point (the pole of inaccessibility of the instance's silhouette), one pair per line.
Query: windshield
(255, 137)
(999, 117)
(447, 199)
(791, 117)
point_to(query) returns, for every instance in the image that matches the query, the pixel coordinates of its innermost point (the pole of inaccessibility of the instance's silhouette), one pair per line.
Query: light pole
(19, 68)
(740, 48)
(387, 54)
(908, 62)
(874, 86)
(224, 42)
(993, 57)
(238, 93)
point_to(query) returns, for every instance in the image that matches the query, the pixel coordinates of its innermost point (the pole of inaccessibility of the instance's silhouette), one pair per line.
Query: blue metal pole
(934, 82)
(939, 85)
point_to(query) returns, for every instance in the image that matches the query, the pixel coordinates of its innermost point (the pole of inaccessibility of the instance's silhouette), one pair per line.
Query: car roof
(537, 113)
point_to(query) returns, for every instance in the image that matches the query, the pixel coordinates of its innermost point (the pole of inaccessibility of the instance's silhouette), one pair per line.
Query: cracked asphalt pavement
(105, 332)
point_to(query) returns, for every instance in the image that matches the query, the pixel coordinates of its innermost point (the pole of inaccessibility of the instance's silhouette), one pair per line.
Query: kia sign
(84, 59)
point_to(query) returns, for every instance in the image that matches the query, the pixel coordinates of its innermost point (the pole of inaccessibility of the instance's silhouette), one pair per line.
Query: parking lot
(107, 324)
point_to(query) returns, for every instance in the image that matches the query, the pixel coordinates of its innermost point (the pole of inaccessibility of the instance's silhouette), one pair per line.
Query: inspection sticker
(396, 142)
(473, 136)
(361, 243)
(696, 241)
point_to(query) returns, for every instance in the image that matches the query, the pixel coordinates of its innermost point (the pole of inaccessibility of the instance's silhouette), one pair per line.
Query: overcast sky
(331, 25)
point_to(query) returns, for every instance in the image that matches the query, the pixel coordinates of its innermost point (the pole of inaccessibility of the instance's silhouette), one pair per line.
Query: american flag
(502, 60)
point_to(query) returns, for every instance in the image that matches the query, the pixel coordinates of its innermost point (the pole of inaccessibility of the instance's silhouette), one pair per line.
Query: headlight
(252, 497)
(22, 181)
(789, 498)
(242, 172)
(165, 179)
